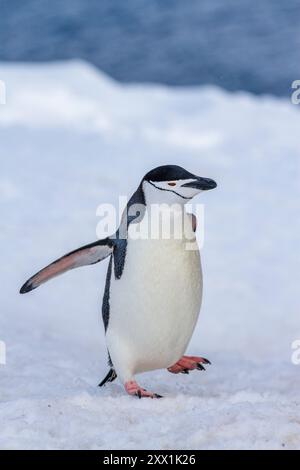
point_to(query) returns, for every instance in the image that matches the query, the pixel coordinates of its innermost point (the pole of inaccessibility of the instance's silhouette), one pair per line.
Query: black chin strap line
(169, 191)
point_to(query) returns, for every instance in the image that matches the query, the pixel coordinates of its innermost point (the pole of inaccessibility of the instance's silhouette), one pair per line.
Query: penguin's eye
(172, 184)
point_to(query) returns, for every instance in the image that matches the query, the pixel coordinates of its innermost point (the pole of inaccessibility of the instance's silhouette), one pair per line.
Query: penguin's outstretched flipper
(110, 377)
(88, 254)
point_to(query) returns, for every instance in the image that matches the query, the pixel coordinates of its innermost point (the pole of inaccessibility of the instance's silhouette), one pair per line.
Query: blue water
(237, 44)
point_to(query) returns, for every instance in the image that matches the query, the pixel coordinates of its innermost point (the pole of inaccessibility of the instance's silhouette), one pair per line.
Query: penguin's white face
(170, 191)
(171, 184)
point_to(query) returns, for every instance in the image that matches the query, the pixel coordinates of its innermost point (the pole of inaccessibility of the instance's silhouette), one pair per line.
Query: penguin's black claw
(133, 389)
(154, 395)
(200, 366)
(143, 393)
(185, 371)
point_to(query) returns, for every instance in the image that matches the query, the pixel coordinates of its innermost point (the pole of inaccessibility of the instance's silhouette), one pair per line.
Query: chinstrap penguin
(153, 289)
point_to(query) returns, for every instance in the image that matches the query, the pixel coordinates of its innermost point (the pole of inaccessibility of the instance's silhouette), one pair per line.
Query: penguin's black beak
(203, 184)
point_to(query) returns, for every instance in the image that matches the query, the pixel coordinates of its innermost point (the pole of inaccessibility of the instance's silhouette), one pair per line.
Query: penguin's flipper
(88, 254)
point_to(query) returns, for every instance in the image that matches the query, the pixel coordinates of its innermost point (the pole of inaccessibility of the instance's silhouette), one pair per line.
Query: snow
(71, 139)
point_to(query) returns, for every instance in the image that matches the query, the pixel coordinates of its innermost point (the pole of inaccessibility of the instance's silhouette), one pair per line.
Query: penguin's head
(173, 184)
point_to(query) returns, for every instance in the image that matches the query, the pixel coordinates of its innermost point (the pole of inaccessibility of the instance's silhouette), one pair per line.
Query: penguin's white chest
(155, 305)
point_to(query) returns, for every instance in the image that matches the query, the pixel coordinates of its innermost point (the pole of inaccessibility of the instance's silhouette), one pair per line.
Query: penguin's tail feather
(88, 254)
(110, 377)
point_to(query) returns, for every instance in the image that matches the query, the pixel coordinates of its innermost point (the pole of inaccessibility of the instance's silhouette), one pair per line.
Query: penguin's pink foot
(187, 363)
(132, 388)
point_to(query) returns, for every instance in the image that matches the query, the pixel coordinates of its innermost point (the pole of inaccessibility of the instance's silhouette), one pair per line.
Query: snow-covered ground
(70, 139)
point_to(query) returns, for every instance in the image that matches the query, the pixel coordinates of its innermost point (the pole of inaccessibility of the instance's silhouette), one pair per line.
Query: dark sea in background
(236, 44)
